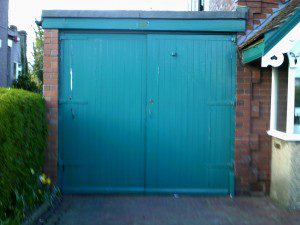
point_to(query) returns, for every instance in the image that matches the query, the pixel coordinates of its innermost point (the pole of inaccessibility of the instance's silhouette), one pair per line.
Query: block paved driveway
(169, 210)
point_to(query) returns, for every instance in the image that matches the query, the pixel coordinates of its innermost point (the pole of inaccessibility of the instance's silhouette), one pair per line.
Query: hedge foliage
(23, 138)
(27, 82)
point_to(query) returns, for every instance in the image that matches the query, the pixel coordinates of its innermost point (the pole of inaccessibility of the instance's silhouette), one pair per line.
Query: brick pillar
(252, 144)
(242, 129)
(50, 91)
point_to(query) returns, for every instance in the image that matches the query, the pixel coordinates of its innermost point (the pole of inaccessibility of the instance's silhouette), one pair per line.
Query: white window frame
(289, 135)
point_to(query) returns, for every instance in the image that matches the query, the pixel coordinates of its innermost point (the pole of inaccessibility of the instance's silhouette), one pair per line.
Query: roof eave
(257, 49)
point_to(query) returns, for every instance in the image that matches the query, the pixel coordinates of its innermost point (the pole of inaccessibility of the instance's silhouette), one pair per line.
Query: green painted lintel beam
(254, 52)
(210, 25)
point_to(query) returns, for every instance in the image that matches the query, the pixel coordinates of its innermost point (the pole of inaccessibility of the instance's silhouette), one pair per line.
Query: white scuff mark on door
(158, 73)
(71, 79)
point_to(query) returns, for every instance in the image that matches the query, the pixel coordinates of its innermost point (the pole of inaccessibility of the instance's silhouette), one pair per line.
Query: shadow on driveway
(166, 210)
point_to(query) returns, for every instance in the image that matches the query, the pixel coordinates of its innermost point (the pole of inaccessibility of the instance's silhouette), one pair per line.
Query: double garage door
(146, 113)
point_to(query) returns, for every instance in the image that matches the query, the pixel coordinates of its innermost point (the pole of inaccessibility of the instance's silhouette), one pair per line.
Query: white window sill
(284, 136)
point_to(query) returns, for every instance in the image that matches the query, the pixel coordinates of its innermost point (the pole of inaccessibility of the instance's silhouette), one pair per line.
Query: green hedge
(23, 138)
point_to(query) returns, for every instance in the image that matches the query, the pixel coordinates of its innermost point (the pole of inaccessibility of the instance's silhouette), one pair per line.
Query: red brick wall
(258, 9)
(252, 144)
(51, 96)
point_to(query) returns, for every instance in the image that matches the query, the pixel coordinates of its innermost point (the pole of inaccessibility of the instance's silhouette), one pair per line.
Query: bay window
(284, 58)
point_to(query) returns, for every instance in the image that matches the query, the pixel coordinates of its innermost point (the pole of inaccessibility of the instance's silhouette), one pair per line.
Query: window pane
(282, 97)
(297, 106)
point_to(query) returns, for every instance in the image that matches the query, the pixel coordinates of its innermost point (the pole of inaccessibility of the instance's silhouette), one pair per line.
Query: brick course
(50, 91)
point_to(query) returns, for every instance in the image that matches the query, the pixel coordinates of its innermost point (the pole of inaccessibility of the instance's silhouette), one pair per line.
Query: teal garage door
(146, 113)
